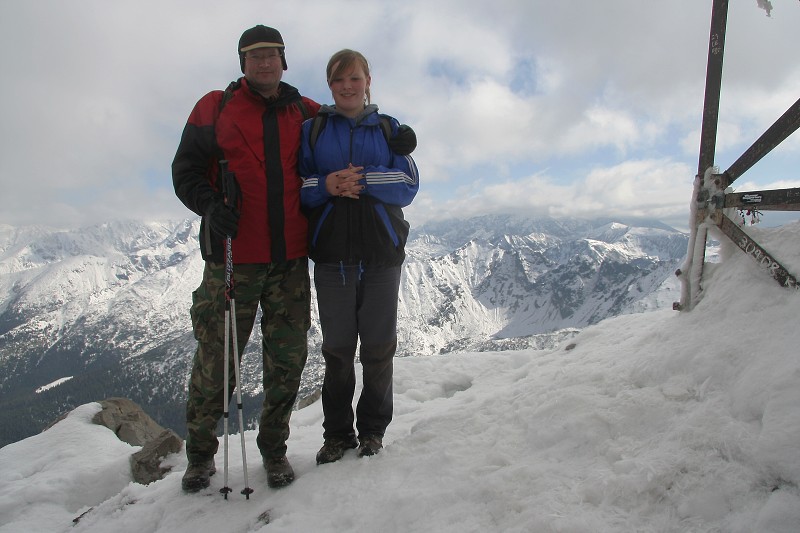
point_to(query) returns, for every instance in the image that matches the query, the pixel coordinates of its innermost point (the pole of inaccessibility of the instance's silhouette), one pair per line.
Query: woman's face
(349, 89)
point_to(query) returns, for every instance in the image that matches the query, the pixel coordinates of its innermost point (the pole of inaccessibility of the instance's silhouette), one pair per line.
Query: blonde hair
(346, 59)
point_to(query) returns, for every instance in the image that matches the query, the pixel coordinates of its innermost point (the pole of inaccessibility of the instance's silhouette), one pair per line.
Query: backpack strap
(386, 127)
(316, 127)
(301, 105)
(227, 94)
(322, 119)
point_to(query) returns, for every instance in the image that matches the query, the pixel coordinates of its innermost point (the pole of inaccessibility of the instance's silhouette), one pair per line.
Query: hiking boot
(334, 449)
(279, 472)
(370, 445)
(197, 475)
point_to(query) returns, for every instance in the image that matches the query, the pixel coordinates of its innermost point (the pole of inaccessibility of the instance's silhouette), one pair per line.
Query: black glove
(404, 142)
(223, 220)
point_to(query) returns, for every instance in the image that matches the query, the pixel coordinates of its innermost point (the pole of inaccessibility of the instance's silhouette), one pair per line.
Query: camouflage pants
(283, 292)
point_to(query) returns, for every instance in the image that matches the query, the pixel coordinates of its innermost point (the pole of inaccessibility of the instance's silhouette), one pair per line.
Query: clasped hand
(345, 182)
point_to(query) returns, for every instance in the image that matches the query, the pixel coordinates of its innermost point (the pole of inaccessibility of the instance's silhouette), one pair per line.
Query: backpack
(321, 120)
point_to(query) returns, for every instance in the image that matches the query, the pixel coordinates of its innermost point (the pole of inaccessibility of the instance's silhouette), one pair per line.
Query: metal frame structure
(711, 195)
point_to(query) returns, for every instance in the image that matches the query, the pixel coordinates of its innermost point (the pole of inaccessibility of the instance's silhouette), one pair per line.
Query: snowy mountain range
(103, 311)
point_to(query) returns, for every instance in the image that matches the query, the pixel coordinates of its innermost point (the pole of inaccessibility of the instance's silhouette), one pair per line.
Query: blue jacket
(370, 230)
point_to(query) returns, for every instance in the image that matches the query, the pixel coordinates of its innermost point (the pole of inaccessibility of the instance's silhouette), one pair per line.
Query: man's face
(263, 69)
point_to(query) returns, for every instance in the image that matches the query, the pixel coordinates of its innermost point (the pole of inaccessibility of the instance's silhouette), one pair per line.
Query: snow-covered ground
(661, 422)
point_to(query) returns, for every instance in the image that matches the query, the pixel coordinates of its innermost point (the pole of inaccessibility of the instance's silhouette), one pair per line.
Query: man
(255, 126)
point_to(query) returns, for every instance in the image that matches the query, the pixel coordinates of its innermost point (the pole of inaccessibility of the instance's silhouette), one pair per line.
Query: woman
(354, 189)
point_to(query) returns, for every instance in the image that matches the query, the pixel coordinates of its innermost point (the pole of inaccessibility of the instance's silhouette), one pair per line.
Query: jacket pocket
(320, 222)
(380, 209)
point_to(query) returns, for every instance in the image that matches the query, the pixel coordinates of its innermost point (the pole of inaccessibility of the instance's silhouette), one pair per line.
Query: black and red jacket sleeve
(194, 168)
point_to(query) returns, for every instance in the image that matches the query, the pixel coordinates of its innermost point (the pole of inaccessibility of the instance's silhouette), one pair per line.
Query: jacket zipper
(348, 241)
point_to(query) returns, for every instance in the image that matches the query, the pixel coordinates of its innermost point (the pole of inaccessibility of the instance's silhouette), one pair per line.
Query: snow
(55, 383)
(661, 421)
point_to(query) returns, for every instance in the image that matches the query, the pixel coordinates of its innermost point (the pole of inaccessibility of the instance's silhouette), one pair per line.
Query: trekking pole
(223, 168)
(247, 491)
(231, 341)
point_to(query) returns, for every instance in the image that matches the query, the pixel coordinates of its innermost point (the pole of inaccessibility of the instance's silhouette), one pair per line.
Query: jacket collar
(287, 94)
(368, 116)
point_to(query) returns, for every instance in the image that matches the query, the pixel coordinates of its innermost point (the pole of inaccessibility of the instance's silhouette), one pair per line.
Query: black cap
(261, 36)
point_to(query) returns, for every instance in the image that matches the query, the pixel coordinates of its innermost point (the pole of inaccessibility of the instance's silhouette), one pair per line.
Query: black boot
(370, 445)
(279, 472)
(197, 475)
(334, 449)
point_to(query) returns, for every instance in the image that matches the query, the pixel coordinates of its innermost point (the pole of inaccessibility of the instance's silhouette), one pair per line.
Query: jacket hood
(368, 116)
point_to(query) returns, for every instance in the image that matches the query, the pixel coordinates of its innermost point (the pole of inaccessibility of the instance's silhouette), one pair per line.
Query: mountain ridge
(108, 305)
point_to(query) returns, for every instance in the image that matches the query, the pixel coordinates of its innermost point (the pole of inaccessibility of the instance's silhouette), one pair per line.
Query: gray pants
(357, 303)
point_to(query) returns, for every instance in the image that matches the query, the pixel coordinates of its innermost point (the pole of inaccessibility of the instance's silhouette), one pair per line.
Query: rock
(146, 463)
(132, 425)
(128, 421)
(309, 399)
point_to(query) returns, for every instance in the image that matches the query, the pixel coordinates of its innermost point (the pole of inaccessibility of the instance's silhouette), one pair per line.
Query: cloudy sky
(576, 107)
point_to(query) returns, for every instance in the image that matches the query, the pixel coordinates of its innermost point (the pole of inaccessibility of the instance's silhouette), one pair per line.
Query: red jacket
(261, 140)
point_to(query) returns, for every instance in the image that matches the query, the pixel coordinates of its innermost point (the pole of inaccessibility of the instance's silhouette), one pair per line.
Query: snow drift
(661, 421)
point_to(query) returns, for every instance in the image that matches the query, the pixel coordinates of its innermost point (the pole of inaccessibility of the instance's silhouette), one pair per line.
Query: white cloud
(601, 127)
(655, 189)
(97, 93)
